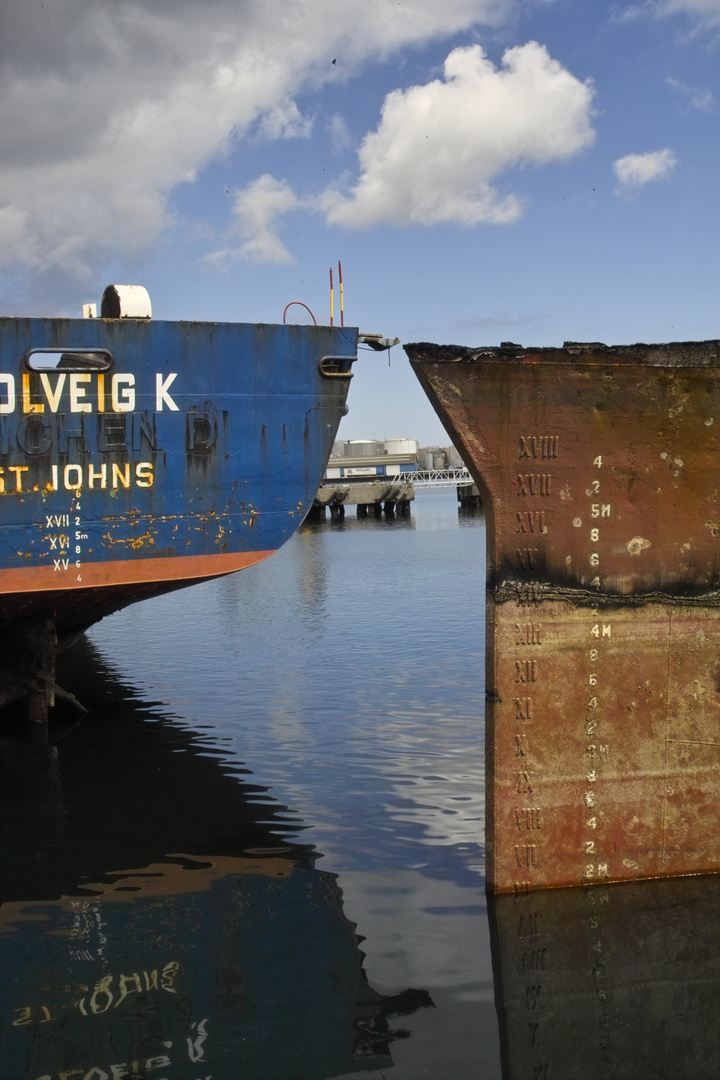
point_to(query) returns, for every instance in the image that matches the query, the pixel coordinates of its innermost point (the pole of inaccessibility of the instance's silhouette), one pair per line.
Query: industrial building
(391, 457)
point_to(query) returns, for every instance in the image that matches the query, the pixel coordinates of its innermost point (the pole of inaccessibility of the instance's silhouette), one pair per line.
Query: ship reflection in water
(162, 919)
(154, 925)
(618, 981)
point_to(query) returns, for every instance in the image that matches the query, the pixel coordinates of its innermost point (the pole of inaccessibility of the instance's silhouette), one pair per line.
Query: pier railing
(420, 478)
(440, 478)
(389, 494)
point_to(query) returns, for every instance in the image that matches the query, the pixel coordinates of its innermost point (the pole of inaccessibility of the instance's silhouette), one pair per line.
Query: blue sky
(486, 170)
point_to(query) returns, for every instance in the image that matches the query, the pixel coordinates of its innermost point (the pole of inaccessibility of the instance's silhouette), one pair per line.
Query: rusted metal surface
(137, 456)
(619, 981)
(140, 456)
(600, 476)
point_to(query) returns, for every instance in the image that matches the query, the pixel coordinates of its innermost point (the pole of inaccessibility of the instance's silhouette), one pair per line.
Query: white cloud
(285, 121)
(697, 98)
(256, 210)
(339, 133)
(704, 13)
(636, 170)
(106, 107)
(439, 147)
(707, 11)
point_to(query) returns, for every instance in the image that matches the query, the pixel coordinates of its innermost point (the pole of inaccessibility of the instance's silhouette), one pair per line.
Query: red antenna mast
(342, 306)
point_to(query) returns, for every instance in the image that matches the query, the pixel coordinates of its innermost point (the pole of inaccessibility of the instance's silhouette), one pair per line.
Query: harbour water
(260, 855)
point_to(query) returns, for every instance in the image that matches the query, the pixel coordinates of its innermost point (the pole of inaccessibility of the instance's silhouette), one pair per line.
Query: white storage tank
(363, 448)
(401, 446)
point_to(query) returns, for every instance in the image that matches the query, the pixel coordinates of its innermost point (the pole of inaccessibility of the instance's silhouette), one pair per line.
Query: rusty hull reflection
(599, 471)
(618, 981)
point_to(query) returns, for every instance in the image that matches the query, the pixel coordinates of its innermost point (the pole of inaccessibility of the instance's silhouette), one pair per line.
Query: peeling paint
(603, 665)
(203, 432)
(637, 545)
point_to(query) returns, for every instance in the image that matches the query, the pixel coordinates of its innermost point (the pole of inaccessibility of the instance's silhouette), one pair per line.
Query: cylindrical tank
(363, 448)
(401, 446)
(425, 456)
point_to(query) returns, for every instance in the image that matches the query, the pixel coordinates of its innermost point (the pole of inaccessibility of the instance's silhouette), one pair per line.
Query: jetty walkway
(389, 495)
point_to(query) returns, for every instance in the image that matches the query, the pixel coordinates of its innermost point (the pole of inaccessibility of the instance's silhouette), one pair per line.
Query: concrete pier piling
(379, 496)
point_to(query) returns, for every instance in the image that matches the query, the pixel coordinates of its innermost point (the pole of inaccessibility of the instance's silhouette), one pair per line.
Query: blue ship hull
(140, 456)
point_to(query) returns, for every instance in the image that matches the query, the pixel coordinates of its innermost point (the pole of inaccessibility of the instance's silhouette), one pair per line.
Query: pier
(378, 497)
(391, 496)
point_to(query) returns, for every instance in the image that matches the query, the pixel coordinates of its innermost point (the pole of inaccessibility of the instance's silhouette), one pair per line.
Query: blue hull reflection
(223, 952)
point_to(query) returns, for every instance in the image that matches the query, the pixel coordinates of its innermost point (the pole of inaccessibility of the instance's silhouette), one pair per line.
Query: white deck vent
(125, 302)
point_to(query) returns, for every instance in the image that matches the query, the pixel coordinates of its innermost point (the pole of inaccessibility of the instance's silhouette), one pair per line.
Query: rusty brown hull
(599, 469)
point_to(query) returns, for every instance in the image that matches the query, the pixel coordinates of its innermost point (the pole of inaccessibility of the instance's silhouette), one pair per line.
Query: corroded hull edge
(599, 468)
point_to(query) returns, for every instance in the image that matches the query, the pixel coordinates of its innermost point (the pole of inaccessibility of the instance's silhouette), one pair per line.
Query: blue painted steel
(205, 441)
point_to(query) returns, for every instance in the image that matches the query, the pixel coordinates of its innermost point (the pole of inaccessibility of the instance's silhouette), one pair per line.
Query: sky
(484, 170)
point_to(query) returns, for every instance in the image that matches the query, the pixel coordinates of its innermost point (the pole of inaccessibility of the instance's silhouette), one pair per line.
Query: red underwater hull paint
(128, 572)
(108, 587)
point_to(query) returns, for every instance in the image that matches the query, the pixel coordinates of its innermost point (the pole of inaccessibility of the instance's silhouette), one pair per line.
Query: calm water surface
(261, 854)
(277, 800)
